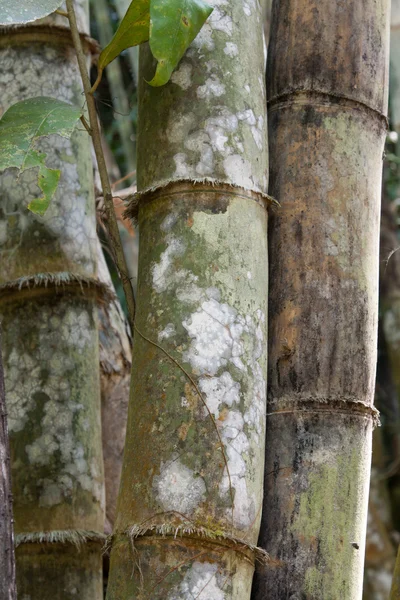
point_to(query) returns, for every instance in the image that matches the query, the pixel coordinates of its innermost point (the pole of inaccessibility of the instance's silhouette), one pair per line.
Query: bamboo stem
(195, 437)
(327, 101)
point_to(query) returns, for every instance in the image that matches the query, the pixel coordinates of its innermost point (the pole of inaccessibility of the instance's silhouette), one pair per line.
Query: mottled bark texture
(327, 76)
(190, 501)
(48, 303)
(7, 556)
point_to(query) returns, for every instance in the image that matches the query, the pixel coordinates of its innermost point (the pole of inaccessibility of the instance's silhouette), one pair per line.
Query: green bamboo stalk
(191, 491)
(48, 297)
(327, 95)
(119, 95)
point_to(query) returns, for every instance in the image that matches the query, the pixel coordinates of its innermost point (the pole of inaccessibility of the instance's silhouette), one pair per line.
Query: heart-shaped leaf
(173, 26)
(21, 125)
(133, 30)
(25, 11)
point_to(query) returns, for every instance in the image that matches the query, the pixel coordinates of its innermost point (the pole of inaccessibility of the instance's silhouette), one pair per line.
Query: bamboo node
(283, 97)
(324, 405)
(76, 537)
(45, 34)
(202, 185)
(187, 529)
(57, 280)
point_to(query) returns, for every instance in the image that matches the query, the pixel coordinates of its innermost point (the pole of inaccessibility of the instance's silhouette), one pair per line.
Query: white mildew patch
(211, 329)
(21, 379)
(168, 332)
(258, 133)
(204, 39)
(216, 140)
(202, 581)
(177, 488)
(181, 167)
(239, 171)
(183, 76)
(231, 49)
(247, 116)
(163, 272)
(219, 129)
(220, 391)
(221, 337)
(59, 336)
(220, 21)
(169, 222)
(212, 87)
(199, 142)
(256, 126)
(261, 82)
(246, 9)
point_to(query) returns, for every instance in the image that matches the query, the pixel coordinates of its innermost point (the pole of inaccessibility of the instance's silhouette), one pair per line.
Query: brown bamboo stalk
(327, 80)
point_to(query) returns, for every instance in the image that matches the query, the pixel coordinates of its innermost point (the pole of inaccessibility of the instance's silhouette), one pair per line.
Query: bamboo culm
(49, 294)
(191, 491)
(327, 102)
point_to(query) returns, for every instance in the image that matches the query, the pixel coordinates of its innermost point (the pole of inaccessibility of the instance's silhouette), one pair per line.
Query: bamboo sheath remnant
(327, 78)
(191, 491)
(51, 347)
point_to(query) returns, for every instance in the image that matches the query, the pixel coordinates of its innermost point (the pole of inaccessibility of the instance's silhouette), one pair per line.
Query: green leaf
(21, 125)
(25, 11)
(173, 26)
(133, 30)
(47, 181)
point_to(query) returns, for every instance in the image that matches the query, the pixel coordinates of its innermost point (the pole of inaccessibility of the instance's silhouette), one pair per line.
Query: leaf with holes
(26, 11)
(173, 26)
(24, 123)
(133, 30)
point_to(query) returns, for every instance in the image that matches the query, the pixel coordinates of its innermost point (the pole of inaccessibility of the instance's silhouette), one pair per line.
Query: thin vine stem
(112, 223)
